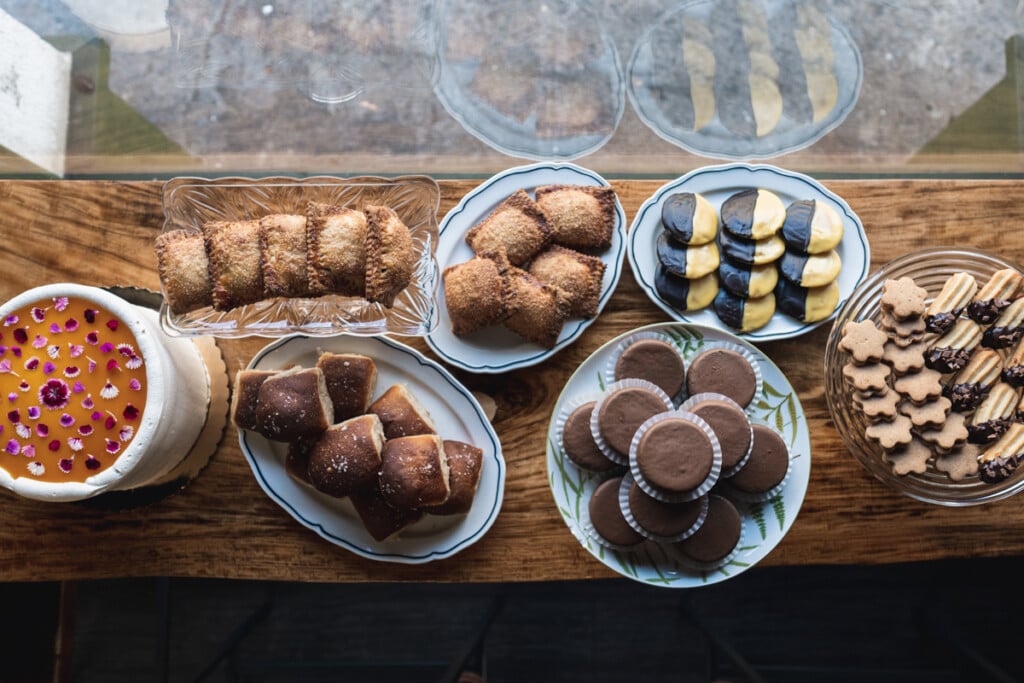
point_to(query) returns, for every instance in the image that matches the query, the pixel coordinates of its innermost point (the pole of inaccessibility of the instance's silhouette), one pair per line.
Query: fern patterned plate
(764, 523)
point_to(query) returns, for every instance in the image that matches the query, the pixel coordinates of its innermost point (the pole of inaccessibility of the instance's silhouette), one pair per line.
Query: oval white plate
(457, 415)
(764, 524)
(718, 183)
(497, 349)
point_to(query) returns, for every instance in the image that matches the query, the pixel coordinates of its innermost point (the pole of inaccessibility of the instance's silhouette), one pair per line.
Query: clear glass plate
(191, 202)
(930, 269)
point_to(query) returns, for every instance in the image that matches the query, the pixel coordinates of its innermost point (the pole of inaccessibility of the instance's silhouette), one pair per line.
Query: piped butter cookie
(1007, 328)
(994, 415)
(689, 218)
(812, 227)
(972, 383)
(946, 307)
(753, 214)
(995, 296)
(1013, 368)
(687, 261)
(1000, 461)
(953, 350)
(806, 304)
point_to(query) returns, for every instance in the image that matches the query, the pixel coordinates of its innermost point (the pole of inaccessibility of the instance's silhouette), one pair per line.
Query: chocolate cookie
(752, 252)
(664, 520)
(675, 455)
(653, 360)
(691, 262)
(812, 227)
(689, 218)
(747, 281)
(607, 518)
(578, 441)
(810, 270)
(718, 536)
(744, 314)
(768, 463)
(722, 371)
(806, 304)
(729, 423)
(753, 214)
(622, 412)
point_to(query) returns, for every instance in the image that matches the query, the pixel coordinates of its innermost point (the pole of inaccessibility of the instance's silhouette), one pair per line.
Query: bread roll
(346, 458)
(401, 413)
(246, 396)
(351, 380)
(380, 519)
(464, 464)
(414, 471)
(293, 404)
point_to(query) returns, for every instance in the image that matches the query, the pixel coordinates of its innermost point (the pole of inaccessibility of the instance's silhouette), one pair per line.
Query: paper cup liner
(609, 452)
(712, 396)
(676, 496)
(747, 354)
(609, 368)
(590, 533)
(627, 484)
(563, 415)
(734, 493)
(687, 562)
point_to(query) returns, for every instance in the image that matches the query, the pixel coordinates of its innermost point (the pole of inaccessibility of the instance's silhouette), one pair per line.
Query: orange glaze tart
(74, 387)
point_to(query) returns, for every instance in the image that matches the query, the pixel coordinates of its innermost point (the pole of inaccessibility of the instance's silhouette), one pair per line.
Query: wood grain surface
(223, 525)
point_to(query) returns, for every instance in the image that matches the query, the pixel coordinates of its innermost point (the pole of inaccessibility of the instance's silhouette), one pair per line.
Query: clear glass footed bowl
(930, 268)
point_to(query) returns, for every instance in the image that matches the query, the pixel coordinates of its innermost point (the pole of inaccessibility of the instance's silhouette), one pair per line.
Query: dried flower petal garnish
(126, 433)
(88, 404)
(96, 415)
(106, 347)
(112, 325)
(113, 365)
(75, 350)
(109, 391)
(54, 445)
(85, 430)
(71, 372)
(133, 363)
(13, 447)
(39, 341)
(33, 412)
(29, 451)
(20, 335)
(54, 328)
(36, 468)
(134, 384)
(110, 422)
(60, 302)
(78, 388)
(55, 394)
(92, 338)
(24, 386)
(23, 430)
(10, 320)
(66, 420)
(12, 397)
(90, 315)
(113, 446)
(75, 443)
(14, 416)
(32, 363)
(48, 368)
(16, 350)
(39, 314)
(5, 365)
(64, 465)
(42, 429)
(70, 325)
(92, 463)
(131, 412)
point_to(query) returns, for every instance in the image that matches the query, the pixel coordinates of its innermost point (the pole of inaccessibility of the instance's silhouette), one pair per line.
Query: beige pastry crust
(516, 226)
(580, 216)
(390, 257)
(538, 311)
(236, 272)
(577, 275)
(184, 270)
(477, 293)
(336, 249)
(283, 250)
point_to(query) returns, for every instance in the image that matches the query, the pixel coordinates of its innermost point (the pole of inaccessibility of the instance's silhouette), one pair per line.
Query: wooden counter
(222, 525)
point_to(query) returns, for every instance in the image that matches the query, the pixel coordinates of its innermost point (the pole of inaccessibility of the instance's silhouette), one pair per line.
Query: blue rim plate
(496, 349)
(458, 416)
(764, 524)
(718, 183)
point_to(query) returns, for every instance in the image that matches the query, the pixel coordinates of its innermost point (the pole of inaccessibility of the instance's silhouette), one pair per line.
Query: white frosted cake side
(97, 397)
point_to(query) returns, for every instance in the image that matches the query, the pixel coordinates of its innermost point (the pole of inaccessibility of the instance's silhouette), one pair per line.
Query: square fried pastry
(184, 270)
(464, 464)
(477, 293)
(538, 310)
(577, 275)
(351, 380)
(336, 249)
(390, 258)
(414, 471)
(580, 216)
(236, 275)
(283, 249)
(516, 226)
(401, 413)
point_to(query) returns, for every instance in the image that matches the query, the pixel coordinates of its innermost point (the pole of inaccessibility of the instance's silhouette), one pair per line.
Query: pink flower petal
(38, 314)
(29, 451)
(76, 350)
(64, 465)
(70, 324)
(36, 468)
(39, 341)
(91, 463)
(53, 351)
(13, 447)
(112, 325)
(134, 384)
(60, 302)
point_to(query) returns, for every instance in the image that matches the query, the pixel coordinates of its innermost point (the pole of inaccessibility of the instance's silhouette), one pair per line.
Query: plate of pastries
(275, 256)
(755, 250)
(529, 259)
(371, 445)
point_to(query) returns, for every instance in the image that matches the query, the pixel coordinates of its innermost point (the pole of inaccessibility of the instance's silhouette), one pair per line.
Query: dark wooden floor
(947, 621)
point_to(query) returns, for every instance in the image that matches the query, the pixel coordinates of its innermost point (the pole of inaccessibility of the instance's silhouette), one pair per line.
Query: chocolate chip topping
(1001, 337)
(675, 455)
(964, 397)
(985, 312)
(606, 515)
(1014, 375)
(768, 463)
(717, 536)
(624, 411)
(722, 371)
(578, 441)
(947, 360)
(662, 519)
(655, 361)
(940, 323)
(987, 431)
(998, 469)
(730, 425)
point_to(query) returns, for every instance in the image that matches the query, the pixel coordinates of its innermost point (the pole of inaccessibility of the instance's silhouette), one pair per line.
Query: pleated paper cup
(627, 512)
(595, 428)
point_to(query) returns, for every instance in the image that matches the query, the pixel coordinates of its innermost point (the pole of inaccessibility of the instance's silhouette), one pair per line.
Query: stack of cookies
(765, 256)
(934, 378)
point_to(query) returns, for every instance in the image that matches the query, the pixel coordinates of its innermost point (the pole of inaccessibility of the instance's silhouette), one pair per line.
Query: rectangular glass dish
(191, 202)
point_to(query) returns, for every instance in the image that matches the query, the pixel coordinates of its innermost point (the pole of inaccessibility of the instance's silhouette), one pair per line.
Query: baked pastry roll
(345, 459)
(577, 275)
(293, 404)
(414, 471)
(538, 310)
(516, 226)
(401, 413)
(335, 250)
(296, 460)
(477, 293)
(184, 270)
(464, 464)
(379, 518)
(389, 255)
(246, 396)
(283, 250)
(351, 380)
(236, 276)
(580, 216)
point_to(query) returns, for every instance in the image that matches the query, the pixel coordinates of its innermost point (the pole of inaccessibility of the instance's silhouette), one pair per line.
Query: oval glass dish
(191, 202)
(929, 268)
